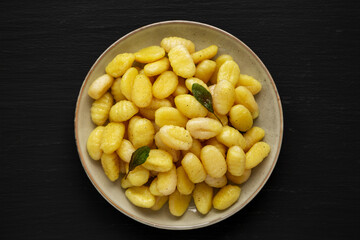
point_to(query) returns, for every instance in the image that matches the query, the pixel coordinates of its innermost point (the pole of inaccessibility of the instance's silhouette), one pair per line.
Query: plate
(270, 119)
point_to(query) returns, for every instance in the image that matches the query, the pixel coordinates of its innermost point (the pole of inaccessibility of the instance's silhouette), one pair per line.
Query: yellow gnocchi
(141, 132)
(226, 197)
(170, 116)
(140, 196)
(111, 165)
(203, 128)
(244, 96)
(182, 62)
(184, 184)
(180, 88)
(112, 137)
(256, 154)
(250, 83)
(149, 54)
(159, 161)
(229, 136)
(149, 111)
(203, 195)
(125, 150)
(203, 54)
(193, 168)
(141, 93)
(94, 142)
(116, 90)
(175, 137)
(205, 69)
(178, 203)
(157, 67)
(100, 86)
(235, 160)
(170, 42)
(165, 85)
(118, 66)
(230, 72)
(219, 61)
(224, 97)
(146, 98)
(190, 81)
(167, 181)
(239, 179)
(189, 106)
(195, 148)
(240, 117)
(139, 176)
(213, 161)
(159, 202)
(127, 82)
(123, 111)
(100, 109)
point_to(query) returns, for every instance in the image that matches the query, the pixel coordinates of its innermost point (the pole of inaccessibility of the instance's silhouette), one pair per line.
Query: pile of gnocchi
(146, 99)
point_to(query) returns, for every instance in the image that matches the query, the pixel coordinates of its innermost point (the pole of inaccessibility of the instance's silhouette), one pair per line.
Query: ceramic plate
(270, 119)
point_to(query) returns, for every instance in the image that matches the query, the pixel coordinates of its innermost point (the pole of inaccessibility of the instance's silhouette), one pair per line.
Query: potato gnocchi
(145, 98)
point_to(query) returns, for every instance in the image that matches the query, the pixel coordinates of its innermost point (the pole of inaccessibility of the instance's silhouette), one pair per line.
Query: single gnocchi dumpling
(189, 106)
(100, 109)
(205, 69)
(257, 153)
(157, 67)
(149, 54)
(123, 111)
(203, 128)
(229, 71)
(141, 132)
(226, 197)
(100, 86)
(204, 54)
(165, 84)
(112, 137)
(193, 168)
(167, 181)
(213, 161)
(170, 116)
(170, 42)
(184, 184)
(118, 66)
(175, 137)
(140, 196)
(111, 165)
(202, 196)
(178, 203)
(158, 160)
(182, 62)
(94, 142)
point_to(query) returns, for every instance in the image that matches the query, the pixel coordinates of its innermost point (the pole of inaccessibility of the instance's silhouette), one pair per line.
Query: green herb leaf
(204, 97)
(138, 157)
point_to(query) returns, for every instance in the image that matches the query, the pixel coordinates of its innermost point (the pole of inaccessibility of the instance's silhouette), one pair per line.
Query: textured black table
(311, 49)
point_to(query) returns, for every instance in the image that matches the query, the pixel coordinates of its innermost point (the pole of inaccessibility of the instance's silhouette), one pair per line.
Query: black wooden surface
(311, 49)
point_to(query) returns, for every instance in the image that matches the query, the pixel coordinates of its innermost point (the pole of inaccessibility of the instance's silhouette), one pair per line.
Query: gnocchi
(146, 98)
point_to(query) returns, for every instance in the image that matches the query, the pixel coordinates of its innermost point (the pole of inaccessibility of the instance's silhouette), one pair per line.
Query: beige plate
(270, 119)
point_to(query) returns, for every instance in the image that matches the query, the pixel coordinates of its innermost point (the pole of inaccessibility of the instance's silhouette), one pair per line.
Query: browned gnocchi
(197, 149)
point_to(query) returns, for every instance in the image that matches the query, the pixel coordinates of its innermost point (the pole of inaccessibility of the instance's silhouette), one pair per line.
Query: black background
(311, 48)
